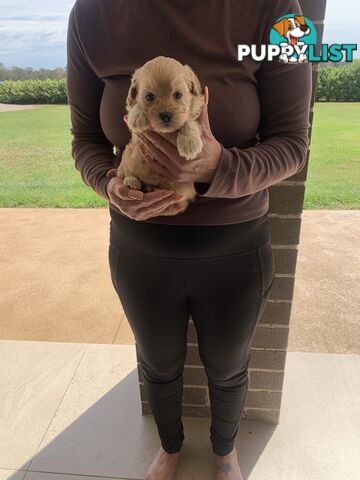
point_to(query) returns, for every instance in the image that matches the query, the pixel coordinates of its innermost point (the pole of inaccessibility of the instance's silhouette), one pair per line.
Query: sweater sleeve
(91, 150)
(285, 95)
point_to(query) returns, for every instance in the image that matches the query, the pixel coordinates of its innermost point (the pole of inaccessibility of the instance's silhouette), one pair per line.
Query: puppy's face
(165, 101)
(292, 28)
(164, 94)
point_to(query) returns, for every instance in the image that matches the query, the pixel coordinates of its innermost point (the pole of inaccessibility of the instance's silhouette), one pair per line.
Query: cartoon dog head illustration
(292, 28)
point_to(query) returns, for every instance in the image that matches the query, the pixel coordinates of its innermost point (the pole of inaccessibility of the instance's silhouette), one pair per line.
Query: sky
(33, 33)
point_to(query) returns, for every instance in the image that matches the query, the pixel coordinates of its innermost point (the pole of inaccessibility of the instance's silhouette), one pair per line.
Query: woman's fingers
(161, 208)
(138, 211)
(157, 202)
(172, 210)
(151, 198)
(126, 193)
(206, 95)
(155, 143)
(151, 204)
(171, 137)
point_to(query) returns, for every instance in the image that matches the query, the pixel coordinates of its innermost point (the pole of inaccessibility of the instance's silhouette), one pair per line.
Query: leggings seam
(261, 270)
(242, 252)
(184, 279)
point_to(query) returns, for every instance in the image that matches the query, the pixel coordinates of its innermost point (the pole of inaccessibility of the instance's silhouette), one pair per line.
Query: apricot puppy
(165, 96)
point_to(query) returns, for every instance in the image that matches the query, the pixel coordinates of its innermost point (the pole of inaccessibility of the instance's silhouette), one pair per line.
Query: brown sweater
(258, 111)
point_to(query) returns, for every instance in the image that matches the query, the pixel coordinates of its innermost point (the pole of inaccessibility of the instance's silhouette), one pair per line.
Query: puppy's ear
(192, 81)
(132, 93)
(280, 27)
(136, 120)
(300, 19)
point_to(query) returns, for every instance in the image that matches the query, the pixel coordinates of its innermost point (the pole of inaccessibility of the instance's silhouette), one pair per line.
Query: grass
(333, 177)
(38, 170)
(36, 163)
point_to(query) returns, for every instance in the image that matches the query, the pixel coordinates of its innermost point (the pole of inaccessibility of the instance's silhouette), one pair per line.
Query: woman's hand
(160, 152)
(139, 205)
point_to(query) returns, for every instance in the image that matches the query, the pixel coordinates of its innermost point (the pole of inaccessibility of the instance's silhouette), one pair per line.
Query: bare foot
(163, 466)
(227, 467)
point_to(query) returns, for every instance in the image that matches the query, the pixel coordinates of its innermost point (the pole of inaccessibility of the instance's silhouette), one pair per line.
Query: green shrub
(33, 91)
(339, 83)
(336, 83)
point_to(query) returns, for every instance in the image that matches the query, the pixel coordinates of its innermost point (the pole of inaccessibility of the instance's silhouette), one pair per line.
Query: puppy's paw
(189, 146)
(183, 204)
(132, 182)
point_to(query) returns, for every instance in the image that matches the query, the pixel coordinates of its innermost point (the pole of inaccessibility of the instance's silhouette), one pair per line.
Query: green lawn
(36, 163)
(37, 169)
(333, 178)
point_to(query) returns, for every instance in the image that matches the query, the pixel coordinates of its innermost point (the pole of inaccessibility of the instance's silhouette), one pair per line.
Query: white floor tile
(99, 431)
(33, 379)
(62, 476)
(318, 437)
(11, 474)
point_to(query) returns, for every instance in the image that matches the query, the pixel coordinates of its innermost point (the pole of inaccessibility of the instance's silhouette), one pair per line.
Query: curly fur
(162, 77)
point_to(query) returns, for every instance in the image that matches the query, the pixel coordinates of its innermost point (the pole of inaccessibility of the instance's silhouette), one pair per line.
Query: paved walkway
(8, 107)
(55, 282)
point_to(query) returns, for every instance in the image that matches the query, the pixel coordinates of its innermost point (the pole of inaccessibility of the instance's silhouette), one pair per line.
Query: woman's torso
(123, 34)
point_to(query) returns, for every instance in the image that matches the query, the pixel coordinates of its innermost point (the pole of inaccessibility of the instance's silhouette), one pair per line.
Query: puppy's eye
(290, 27)
(297, 24)
(150, 97)
(178, 95)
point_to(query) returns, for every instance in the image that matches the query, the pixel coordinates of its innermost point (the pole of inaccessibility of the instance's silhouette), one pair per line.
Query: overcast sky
(33, 32)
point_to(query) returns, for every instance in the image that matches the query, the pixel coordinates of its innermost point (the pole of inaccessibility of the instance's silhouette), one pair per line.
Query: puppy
(293, 29)
(166, 96)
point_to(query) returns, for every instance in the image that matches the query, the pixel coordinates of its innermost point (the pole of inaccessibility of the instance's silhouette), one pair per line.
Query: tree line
(28, 73)
(337, 82)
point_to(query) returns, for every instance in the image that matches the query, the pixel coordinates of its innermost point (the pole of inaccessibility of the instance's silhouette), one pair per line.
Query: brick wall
(268, 352)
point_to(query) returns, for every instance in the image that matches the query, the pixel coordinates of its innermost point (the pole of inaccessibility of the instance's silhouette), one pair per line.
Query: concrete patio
(69, 396)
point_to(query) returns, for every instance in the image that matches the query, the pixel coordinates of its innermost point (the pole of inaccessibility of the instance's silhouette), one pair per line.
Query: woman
(214, 261)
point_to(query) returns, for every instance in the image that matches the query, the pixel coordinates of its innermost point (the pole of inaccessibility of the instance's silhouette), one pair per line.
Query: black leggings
(221, 275)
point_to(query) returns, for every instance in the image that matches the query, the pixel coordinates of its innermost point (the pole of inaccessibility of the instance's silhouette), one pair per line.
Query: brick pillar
(268, 352)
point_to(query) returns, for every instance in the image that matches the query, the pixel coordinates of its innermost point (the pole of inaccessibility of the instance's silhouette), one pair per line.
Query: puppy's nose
(304, 28)
(165, 116)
